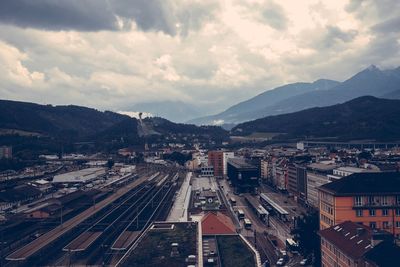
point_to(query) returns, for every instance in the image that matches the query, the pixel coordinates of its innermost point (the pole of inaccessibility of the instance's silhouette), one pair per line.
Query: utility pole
(61, 217)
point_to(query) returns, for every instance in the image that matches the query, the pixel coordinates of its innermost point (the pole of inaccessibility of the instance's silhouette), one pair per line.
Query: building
(5, 152)
(346, 171)
(372, 199)
(317, 175)
(280, 174)
(302, 184)
(207, 171)
(255, 160)
(264, 169)
(385, 254)
(227, 155)
(351, 244)
(217, 223)
(80, 177)
(219, 160)
(165, 244)
(18, 195)
(297, 181)
(216, 159)
(242, 175)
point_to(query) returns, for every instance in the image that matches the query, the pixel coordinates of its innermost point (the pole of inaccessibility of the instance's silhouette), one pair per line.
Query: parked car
(284, 254)
(280, 262)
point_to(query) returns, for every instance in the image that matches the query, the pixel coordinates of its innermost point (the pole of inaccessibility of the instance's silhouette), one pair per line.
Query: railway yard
(98, 234)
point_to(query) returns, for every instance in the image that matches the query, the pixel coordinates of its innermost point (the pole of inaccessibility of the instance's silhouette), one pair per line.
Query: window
(397, 212)
(372, 225)
(359, 213)
(398, 200)
(371, 212)
(385, 225)
(385, 212)
(397, 224)
(384, 200)
(371, 200)
(357, 201)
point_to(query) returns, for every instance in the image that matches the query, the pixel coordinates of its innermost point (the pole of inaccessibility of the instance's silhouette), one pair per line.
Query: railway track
(103, 239)
(49, 244)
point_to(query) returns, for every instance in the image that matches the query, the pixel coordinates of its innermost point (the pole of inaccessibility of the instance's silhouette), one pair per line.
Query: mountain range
(298, 96)
(54, 125)
(365, 117)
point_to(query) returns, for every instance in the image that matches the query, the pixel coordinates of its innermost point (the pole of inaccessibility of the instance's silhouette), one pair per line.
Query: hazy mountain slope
(265, 99)
(361, 118)
(371, 81)
(76, 123)
(176, 111)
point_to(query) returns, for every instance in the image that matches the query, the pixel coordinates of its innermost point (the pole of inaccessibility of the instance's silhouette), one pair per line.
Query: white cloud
(213, 53)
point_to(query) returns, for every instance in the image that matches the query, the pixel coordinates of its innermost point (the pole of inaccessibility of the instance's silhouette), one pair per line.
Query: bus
(262, 213)
(240, 214)
(233, 201)
(247, 223)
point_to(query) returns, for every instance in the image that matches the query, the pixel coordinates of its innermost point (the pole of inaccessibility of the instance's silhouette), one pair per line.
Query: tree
(306, 233)
(110, 163)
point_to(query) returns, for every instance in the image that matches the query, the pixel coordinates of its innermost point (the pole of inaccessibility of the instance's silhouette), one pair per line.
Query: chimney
(360, 231)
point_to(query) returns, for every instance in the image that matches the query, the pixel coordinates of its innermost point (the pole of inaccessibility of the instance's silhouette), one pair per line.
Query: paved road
(279, 229)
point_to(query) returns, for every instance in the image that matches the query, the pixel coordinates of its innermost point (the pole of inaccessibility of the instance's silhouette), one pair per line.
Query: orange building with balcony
(372, 199)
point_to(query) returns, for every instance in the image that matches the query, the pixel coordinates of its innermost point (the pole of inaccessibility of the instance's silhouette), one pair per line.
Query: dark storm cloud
(95, 15)
(334, 34)
(388, 26)
(148, 14)
(275, 16)
(82, 15)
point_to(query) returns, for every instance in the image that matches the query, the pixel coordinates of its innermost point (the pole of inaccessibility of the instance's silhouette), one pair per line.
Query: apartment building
(372, 199)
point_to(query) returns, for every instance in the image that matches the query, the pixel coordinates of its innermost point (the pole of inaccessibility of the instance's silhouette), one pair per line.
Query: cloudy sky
(110, 54)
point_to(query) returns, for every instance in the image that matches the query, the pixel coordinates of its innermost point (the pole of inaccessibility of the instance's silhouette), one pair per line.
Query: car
(283, 253)
(280, 262)
(304, 262)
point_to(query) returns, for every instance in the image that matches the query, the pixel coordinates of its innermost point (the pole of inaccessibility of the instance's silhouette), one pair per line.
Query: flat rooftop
(240, 163)
(156, 247)
(83, 175)
(234, 252)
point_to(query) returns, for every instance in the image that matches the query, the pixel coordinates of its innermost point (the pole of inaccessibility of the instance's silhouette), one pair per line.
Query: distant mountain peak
(372, 67)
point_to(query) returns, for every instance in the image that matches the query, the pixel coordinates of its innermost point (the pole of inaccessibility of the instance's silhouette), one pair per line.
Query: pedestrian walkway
(179, 211)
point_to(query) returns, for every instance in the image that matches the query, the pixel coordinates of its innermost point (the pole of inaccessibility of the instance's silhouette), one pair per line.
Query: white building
(346, 171)
(81, 176)
(226, 156)
(127, 169)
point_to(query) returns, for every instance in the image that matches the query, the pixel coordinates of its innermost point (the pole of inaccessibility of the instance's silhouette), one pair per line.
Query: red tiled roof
(216, 223)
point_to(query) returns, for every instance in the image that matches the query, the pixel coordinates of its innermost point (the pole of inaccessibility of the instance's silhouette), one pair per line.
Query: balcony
(375, 204)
